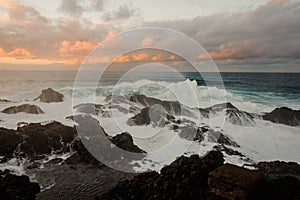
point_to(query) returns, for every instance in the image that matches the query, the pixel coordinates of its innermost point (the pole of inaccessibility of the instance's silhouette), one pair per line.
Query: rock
(89, 108)
(9, 141)
(49, 95)
(3, 160)
(284, 115)
(4, 101)
(185, 178)
(279, 167)
(233, 114)
(18, 187)
(232, 182)
(42, 139)
(33, 165)
(27, 108)
(228, 151)
(125, 142)
(192, 133)
(54, 161)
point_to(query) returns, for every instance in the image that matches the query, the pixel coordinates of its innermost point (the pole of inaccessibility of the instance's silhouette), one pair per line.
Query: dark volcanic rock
(18, 187)
(284, 115)
(125, 142)
(9, 141)
(233, 114)
(42, 139)
(233, 182)
(27, 108)
(155, 115)
(49, 95)
(89, 108)
(279, 167)
(185, 178)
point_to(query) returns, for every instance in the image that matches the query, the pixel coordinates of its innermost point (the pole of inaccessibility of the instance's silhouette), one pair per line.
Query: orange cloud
(122, 59)
(17, 53)
(76, 48)
(110, 34)
(140, 57)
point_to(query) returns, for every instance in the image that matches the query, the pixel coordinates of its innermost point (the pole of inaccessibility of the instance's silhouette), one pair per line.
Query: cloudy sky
(240, 35)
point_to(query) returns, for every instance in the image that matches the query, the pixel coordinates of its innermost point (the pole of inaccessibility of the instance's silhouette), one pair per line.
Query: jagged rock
(49, 95)
(284, 115)
(9, 141)
(233, 114)
(228, 151)
(54, 161)
(279, 167)
(27, 108)
(89, 108)
(185, 178)
(192, 133)
(33, 165)
(232, 182)
(18, 187)
(4, 100)
(125, 142)
(36, 139)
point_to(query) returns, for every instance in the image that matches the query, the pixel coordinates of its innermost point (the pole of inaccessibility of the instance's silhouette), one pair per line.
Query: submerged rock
(284, 115)
(49, 95)
(27, 108)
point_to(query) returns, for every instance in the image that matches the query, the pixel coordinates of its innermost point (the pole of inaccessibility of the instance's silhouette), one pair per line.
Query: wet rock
(42, 139)
(185, 178)
(18, 187)
(192, 133)
(9, 141)
(125, 142)
(4, 101)
(54, 161)
(33, 165)
(89, 108)
(3, 160)
(228, 151)
(233, 114)
(233, 182)
(284, 115)
(279, 167)
(27, 108)
(49, 95)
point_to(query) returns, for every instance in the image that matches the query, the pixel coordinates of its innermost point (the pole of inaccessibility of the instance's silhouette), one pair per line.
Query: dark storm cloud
(123, 12)
(76, 8)
(270, 31)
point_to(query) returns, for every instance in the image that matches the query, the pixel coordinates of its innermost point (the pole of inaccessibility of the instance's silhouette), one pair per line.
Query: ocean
(258, 93)
(251, 91)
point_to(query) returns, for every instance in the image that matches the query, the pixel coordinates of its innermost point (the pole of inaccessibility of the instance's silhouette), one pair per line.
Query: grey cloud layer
(267, 34)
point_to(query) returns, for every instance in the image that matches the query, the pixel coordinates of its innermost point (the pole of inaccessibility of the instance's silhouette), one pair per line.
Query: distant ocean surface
(255, 92)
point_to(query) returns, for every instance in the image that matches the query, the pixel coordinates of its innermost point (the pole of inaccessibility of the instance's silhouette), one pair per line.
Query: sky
(239, 35)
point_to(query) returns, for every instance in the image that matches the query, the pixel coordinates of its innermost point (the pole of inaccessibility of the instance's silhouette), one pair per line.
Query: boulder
(43, 139)
(27, 108)
(49, 95)
(125, 142)
(284, 115)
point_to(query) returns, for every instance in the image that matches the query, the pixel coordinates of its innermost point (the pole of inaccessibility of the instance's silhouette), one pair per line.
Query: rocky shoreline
(58, 165)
